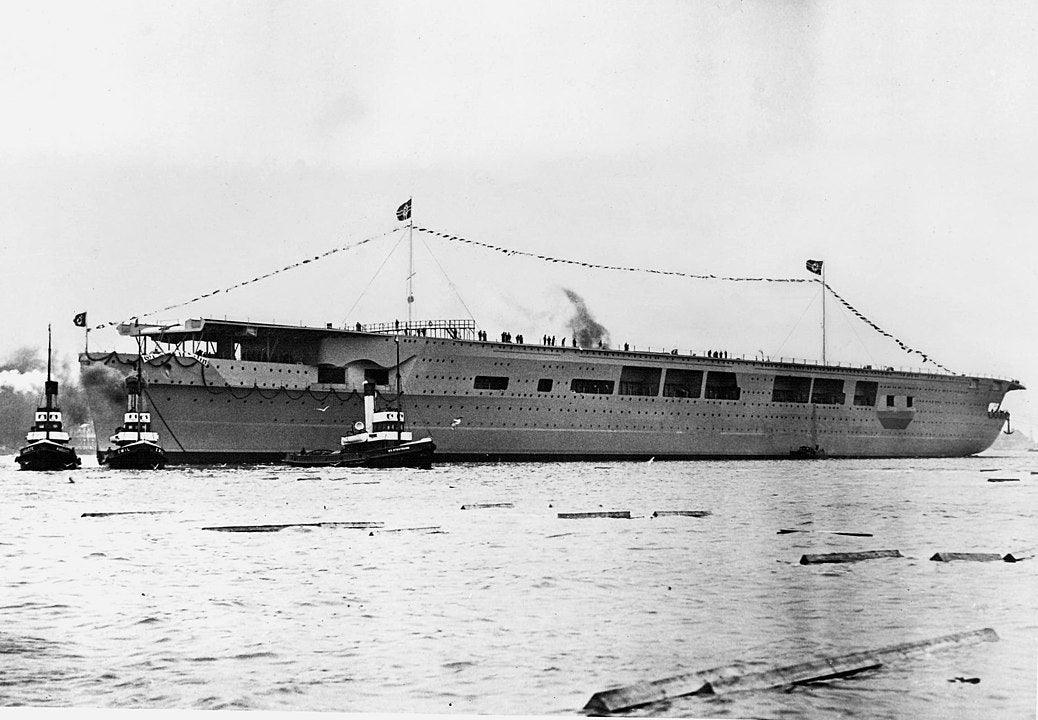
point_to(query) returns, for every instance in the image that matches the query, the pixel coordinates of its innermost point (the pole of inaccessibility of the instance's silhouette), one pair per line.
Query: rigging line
(315, 258)
(157, 412)
(857, 337)
(810, 304)
(926, 358)
(509, 252)
(449, 281)
(366, 287)
(599, 266)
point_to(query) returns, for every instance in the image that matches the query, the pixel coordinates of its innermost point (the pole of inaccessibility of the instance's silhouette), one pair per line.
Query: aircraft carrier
(225, 391)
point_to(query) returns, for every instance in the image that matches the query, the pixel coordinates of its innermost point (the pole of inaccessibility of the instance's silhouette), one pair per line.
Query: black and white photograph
(645, 358)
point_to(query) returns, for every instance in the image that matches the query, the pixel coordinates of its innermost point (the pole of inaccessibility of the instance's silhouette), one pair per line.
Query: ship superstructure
(233, 391)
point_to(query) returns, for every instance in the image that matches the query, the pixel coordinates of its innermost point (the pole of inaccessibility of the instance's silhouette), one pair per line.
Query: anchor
(1009, 429)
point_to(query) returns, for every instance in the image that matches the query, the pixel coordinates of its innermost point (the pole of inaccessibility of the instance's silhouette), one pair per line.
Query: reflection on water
(510, 609)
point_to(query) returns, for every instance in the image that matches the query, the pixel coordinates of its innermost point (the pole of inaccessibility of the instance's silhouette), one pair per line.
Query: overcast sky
(151, 152)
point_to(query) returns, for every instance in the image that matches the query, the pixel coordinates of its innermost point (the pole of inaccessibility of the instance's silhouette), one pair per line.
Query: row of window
(645, 382)
(678, 383)
(332, 375)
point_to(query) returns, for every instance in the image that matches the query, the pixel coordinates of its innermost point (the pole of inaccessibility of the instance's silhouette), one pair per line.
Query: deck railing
(448, 329)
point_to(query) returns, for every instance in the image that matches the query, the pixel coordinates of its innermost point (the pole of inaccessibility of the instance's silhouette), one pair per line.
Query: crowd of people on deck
(550, 341)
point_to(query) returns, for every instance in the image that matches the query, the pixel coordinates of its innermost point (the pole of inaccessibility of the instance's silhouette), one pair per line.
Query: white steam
(23, 382)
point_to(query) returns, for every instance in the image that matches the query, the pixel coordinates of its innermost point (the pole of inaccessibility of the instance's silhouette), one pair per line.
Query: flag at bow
(814, 266)
(79, 320)
(404, 211)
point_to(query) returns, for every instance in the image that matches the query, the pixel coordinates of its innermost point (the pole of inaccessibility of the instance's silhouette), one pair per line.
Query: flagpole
(410, 260)
(823, 312)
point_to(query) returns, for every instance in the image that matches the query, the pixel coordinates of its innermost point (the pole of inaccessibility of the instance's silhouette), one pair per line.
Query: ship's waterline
(226, 391)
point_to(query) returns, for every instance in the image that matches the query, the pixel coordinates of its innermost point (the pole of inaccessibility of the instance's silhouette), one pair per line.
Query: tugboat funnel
(369, 406)
(133, 394)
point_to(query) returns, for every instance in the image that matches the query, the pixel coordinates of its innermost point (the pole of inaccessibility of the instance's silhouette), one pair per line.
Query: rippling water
(511, 610)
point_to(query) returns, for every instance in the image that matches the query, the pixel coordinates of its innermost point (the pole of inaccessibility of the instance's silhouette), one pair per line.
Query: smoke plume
(23, 382)
(586, 332)
(105, 384)
(24, 360)
(21, 389)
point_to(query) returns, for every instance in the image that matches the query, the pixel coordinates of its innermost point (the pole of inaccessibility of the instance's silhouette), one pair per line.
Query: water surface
(513, 610)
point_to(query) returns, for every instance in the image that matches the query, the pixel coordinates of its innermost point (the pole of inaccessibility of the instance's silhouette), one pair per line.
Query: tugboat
(379, 441)
(136, 444)
(48, 447)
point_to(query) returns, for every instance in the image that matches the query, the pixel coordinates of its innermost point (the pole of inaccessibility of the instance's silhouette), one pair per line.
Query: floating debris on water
(1003, 479)
(974, 556)
(624, 514)
(350, 524)
(843, 557)
(428, 530)
(251, 528)
(722, 680)
(477, 506)
(828, 532)
(128, 512)
(347, 524)
(685, 513)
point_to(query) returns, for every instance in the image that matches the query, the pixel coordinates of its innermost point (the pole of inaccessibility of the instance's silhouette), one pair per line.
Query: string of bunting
(926, 358)
(243, 283)
(597, 266)
(546, 258)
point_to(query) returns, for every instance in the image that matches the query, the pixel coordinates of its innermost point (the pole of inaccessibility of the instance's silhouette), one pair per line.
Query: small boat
(48, 447)
(379, 441)
(806, 452)
(136, 444)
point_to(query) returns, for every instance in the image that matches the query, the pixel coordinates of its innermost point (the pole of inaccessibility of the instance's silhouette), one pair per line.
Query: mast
(140, 387)
(410, 260)
(134, 402)
(49, 387)
(823, 313)
(399, 405)
(48, 364)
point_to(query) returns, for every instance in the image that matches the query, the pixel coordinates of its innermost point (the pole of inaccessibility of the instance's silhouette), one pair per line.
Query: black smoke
(586, 331)
(105, 384)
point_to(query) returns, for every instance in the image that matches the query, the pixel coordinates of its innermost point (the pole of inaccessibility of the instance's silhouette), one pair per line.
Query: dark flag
(404, 211)
(79, 320)
(815, 266)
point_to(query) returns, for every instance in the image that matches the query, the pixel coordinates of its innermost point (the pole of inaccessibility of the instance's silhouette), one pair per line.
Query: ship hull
(46, 455)
(134, 456)
(416, 454)
(532, 408)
